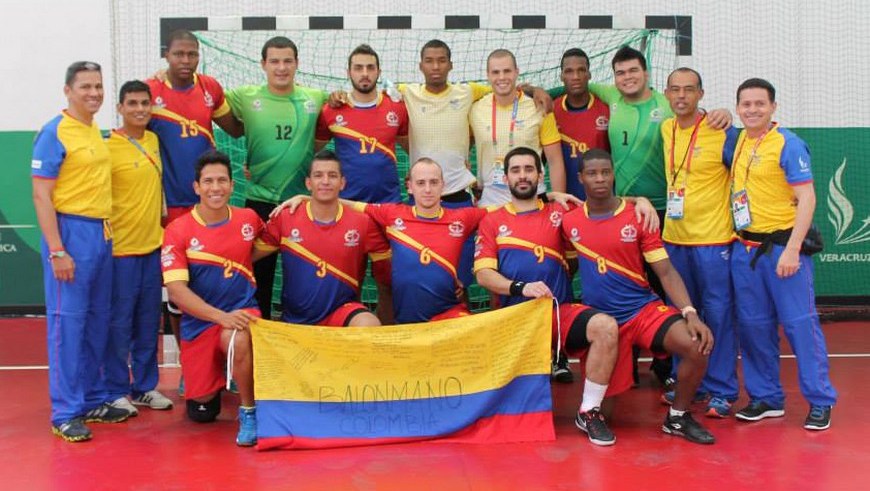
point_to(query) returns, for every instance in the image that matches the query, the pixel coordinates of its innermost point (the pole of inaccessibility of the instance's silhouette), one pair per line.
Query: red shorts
(642, 330)
(342, 316)
(172, 213)
(564, 319)
(452, 313)
(203, 364)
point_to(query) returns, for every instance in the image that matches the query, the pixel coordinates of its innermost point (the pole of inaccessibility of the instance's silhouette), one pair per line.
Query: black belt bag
(812, 243)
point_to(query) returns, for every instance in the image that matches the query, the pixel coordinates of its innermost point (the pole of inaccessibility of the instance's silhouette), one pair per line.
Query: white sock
(675, 413)
(593, 394)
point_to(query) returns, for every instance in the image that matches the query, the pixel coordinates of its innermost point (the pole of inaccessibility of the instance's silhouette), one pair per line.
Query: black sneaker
(106, 413)
(819, 418)
(73, 430)
(592, 423)
(686, 427)
(560, 371)
(758, 410)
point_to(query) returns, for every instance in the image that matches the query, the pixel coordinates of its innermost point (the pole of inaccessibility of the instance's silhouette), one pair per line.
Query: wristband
(56, 254)
(517, 288)
(688, 310)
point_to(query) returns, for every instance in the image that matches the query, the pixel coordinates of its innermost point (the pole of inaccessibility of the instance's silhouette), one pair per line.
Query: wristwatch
(56, 255)
(688, 309)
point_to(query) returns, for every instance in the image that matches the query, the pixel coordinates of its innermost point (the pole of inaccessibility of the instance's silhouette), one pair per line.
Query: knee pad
(204, 412)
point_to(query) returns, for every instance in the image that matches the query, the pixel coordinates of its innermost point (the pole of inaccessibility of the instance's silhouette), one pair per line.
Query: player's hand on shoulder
(160, 75)
(337, 99)
(564, 199)
(719, 119)
(290, 204)
(646, 214)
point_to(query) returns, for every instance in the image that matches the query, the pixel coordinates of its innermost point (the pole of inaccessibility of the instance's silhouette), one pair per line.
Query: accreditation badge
(740, 210)
(497, 176)
(676, 204)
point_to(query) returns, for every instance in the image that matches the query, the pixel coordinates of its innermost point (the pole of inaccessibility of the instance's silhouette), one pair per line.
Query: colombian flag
(480, 379)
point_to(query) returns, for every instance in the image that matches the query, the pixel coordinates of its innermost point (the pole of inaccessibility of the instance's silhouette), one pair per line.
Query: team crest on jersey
(257, 104)
(195, 245)
(351, 238)
(392, 119)
(310, 107)
(167, 257)
(248, 232)
(556, 218)
(208, 99)
(575, 235)
(295, 235)
(456, 228)
(158, 101)
(656, 115)
(504, 231)
(628, 233)
(339, 120)
(602, 123)
(399, 224)
(521, 124)
(455, 104)
(614, 107)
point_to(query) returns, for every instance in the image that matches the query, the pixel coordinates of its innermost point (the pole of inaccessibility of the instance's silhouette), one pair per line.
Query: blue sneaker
(718, 408)
(247, 436)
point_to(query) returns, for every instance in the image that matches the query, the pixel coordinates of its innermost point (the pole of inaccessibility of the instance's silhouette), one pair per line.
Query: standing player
(612, 252)
(280, 120)
(582, 118)
(323, 252)
(521, 255)
(772, 201)
(697, 228)
(184, 105)
(505, 119)
(206, 261)
(137, 202)
(365, 132)
(72, 195)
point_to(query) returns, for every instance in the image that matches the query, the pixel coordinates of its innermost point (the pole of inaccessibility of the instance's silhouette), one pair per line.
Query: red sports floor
(162, 450)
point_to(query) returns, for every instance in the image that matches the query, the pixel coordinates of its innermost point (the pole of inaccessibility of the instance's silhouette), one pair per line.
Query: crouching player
(611, 254)
(207, 269)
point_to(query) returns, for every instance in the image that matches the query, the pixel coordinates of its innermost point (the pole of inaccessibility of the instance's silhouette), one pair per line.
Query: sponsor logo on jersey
(656, 115)
(556, 219)
(158, 101)
(195, 245)
(399, 224)
(575, 235)
(455, 104)
(628, 233)
(339, 120)
(805, 166)
(504, 231)
(257, 104)
(392, 119)
(167, 257)
(248, 232)
(208, 99)
(602, 123)
(521, 124)
(295, 235)
(351, 238)
(310, 107)
(36, 164)
(456, 228)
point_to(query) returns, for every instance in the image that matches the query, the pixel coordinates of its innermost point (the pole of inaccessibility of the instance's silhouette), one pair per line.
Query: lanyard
(687, 157)
(750, 159)
(512, 126)
(139, 147)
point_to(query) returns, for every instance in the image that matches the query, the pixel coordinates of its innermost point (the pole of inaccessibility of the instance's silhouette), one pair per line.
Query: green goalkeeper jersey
(636, 143)
(279, 130)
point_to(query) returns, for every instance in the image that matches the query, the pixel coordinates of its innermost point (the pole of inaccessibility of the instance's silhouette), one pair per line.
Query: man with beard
(365, 132)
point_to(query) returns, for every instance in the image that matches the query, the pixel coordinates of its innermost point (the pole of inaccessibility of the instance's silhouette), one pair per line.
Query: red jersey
(425, 257)
(323, 263)
(611, 255)
(182, 121)
(214, 260)
(525, 246)
(365, 142)
(581, 129)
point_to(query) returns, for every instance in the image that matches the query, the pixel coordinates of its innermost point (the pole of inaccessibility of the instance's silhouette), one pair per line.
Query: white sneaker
(124, 403)
(154, 400)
